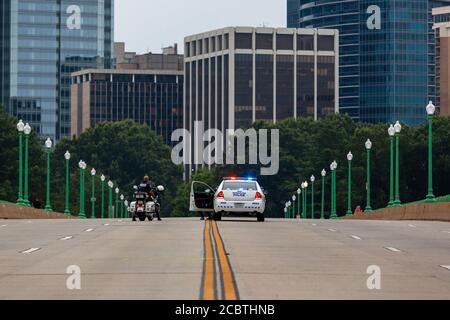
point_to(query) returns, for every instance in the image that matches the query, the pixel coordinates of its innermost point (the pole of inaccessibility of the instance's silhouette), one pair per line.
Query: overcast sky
(148, 25)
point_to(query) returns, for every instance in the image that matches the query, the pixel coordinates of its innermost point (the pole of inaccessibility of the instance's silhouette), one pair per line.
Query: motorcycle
(145, 206)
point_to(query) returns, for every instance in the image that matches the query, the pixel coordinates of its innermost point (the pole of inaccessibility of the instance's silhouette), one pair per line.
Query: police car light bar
(240, 178)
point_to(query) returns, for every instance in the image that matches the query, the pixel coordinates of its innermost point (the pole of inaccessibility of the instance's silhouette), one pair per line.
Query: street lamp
(368, 148)
(93, 173)
(102, 179)
(299, 192)
(121, 206)
(398, 129)
(349, 205)
(322, 208)
(431, 109)
(20, 129)
(391, 132)
(117, 203)
(126, 209)
(82, 166)
(305, 200)
(293, 206)
(333, 168)
(313, 179)
(27, 131)
(111, 186)
(67, 157)
(48, 146)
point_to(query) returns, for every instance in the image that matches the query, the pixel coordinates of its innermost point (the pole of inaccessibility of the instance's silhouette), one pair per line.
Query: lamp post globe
(313, 179)
(20, 126)
(397, 127)
(27, 129)
(48, 143)
(299, 191)
(323, 173)
(368, 144)
(431, 109)
(350, 156)
(93, 172)
(67, 155)
(110, 184)
(122, 197)
(391, 131)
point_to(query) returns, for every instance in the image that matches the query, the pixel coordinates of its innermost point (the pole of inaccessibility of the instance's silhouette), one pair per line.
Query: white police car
(234, 197)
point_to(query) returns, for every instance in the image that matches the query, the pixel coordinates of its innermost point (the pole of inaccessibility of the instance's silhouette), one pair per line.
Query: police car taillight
(220, 195)
(258, 195)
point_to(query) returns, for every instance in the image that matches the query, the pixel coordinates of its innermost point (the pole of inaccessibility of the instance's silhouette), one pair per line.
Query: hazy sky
(148, 25)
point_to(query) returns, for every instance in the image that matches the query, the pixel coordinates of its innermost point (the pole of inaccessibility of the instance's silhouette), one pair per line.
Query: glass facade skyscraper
(42, 43)
(387, 71)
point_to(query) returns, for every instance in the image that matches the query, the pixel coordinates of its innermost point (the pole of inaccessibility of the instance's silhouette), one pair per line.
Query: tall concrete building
(387, 54)
(442, 28)
(41, 44)
(238, 75)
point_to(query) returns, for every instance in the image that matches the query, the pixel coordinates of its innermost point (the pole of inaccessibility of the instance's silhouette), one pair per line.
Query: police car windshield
(240, 185)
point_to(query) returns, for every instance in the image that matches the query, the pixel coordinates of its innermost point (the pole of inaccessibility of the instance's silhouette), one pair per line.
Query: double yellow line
(215, 257)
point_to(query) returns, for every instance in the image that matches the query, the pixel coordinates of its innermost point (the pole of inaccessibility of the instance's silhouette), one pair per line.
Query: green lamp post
(93, 200)
(369, 149)
(299, 210)
(293, 206)
(67, 157)
(121, 206)
(398, 129)
(391, 132)
(82, 166)
(431, 109)
(313, 180)
(116, 208)
(349, 195)
(20, 129)
(333, 168)
(126, 209)
(322, 208)
(27, 131)
(102, 180)
(48, 146)
(110, 199)
(305, 200)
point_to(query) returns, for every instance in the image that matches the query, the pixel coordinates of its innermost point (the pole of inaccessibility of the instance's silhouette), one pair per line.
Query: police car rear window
(237, 185)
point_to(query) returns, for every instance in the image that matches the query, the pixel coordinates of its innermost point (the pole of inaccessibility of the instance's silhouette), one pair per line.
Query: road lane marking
(446, 232)
(208, 289)
(106, 224)
(332, 230)
(356, 237)
(412, 226)
(392, 249)
(66, 238)
(88, 230)
(4, 225)
(314, 224)
(230, 291)
(31, 250)
(446, 267)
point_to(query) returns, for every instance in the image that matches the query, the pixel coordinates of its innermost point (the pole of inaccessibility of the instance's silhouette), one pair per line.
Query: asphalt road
(233, 259)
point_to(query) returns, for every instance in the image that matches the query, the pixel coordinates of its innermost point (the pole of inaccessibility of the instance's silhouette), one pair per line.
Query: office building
(153, 97)
(387, 54)
(41, 44)
(169, 59)
(236, 76)
(442, 28)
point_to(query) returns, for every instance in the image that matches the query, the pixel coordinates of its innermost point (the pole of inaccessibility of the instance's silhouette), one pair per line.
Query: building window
(244, 90)
(264, 87)
(325, 43)
(264, 41)
(285, 42)
(305, 42)
(244, 41)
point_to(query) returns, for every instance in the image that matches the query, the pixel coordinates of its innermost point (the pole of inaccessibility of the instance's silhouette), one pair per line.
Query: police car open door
(201, 197)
